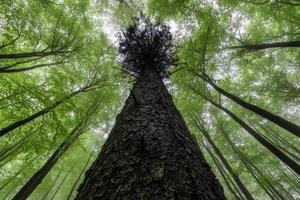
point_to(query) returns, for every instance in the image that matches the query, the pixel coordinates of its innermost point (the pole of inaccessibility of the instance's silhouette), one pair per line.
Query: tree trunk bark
(150, 153)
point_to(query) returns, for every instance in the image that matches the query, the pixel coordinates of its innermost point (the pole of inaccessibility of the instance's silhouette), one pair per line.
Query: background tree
(268, 78)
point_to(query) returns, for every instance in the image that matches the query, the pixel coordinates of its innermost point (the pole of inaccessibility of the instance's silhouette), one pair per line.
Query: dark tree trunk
(32, 117)
(283, 123)
(150, 153)
(23, 69)
(277, 152)
(225, 163)
(234, 190)
(34, 54)
(255, 172)
(44, 111)
(14, 177)
(38, 177)
(254, 47)
(81, 174)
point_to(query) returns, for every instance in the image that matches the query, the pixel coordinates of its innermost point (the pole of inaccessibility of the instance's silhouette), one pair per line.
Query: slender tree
(81, 173)
(26, 165)
(236, 178)
(255, 172)
(53, 194)
(227, 179)
(255, 47)
(277, 152)
(94, 84)
(38, 176)
(27, 68)
(150, 153)
(283, 123)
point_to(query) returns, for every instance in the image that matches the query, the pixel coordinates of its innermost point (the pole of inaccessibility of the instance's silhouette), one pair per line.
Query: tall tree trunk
(45, 195)
(235, 191)
(23, 69)
(81, 174)
(53, 194)
(44, 111)
(277, 145)
(26, 165)
(283, 123)
(34, 54)
(254, 47)
(224, 161)
(150, 153)
(274, 134)
(37, 178)
(259, 176)
(277, 152)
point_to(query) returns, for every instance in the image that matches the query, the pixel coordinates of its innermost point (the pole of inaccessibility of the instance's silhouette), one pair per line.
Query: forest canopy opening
(186, 85)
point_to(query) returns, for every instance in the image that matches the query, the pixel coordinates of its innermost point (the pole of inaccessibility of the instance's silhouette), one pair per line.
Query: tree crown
(146, 44)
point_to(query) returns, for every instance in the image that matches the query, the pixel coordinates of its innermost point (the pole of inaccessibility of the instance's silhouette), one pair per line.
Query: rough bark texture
(150, 153)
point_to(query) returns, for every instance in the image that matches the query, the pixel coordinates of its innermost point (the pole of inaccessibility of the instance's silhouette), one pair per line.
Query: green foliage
(267, 78)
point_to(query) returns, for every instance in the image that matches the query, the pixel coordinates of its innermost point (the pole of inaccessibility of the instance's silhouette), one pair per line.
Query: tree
(94, 84)
(277, 152)
(150, 153)
(69, 40)
(242, 187)
(255, 47)
(38, 176)
(289, 126)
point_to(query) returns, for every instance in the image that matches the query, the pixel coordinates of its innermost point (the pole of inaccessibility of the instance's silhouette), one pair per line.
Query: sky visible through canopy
(81, 39)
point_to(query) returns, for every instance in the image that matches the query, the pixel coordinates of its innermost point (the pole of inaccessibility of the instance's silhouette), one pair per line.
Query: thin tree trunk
(254, 175)
(42, 112)
(287, 194)
(37, 178)
(32, 54)
(226, 178)
(59, 186)
(80, 175)
(45, 195)
(255, 47)
(283, 123)
(255, 172)
(4, 184)
(150, 153)
(224, 161)
(23, 69)
(278, 145)
(279, 154)
(279, 138)
(15, 148)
